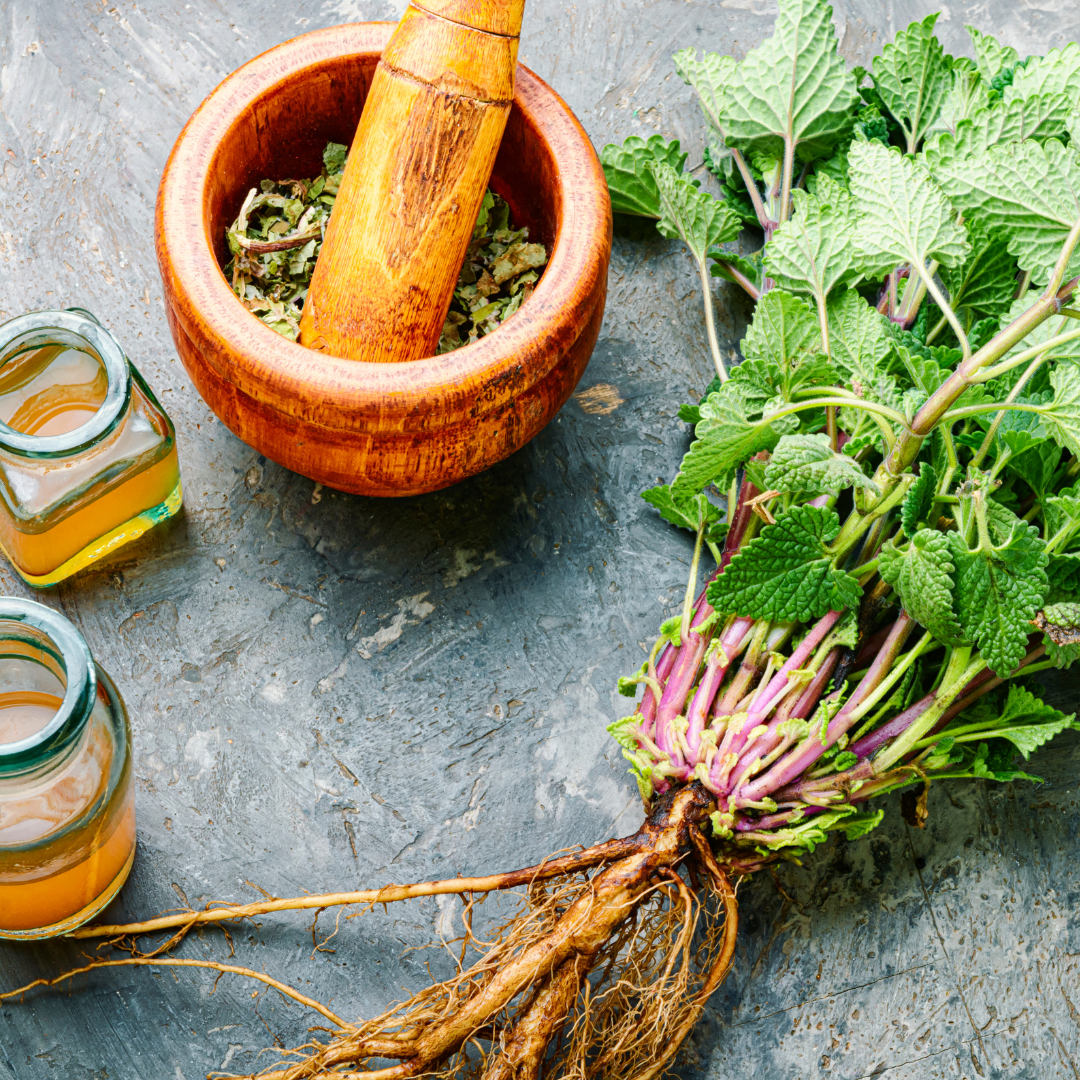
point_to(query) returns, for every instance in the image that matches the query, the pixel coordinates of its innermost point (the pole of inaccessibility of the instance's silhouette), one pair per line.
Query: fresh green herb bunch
(276, 239)
(897, 449)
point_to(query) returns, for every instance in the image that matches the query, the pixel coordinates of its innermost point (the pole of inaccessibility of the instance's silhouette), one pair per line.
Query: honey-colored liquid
(49, 870)
(70, 502)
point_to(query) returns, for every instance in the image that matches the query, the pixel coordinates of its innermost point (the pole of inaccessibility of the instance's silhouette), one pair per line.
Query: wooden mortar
(376, 428)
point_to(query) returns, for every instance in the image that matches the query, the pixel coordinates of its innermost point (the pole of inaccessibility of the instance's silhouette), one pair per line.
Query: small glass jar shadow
(67, 807)
(88, 456)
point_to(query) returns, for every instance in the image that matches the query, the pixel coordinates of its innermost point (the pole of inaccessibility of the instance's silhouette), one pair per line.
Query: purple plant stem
(670, 656)
(770, 695)
(790, 768)
(869, 649)
(802, 707)
(715, 670)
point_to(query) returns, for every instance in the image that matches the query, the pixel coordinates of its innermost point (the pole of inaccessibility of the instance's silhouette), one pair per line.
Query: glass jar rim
(32, 331)
(69, 649)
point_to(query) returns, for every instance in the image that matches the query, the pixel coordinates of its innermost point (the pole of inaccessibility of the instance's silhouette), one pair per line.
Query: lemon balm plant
(885, 484)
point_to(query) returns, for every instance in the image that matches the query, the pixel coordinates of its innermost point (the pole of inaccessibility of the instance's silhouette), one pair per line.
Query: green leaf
(1062, 415)
(1062, 514)
(986, 282)
(334, 157)
(860, 349)
(727, 263)
(811, 253)
(1063, 575)
(1028, 191)
(1058, 72)
(782, 348)
(725, 439)
(998, 592)
(922, 574)
(902, 214)
(1035, 465)
(709, 77)
(858, 825)
(1026, 721)
(919, 499)
(794, 90)
(994, 760)
(913, 77)
(967, 96)
(630, 181)
(990, 56)
(688, 513)
(807, 463)
(693, 216)
(785, 572)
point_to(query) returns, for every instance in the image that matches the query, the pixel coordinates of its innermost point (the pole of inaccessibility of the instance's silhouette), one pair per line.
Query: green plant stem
(1025, 356)
(977, 410)
(710, 323)
(871, 407)
(752, 189)
(785, 186)
(960, 671)
(691, 587)
(914, 295)
(927, 276)
(988, 442)
(929, 416)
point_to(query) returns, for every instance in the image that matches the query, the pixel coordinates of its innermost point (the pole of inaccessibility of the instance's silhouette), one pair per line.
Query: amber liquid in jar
(67, 824)
(62, 510)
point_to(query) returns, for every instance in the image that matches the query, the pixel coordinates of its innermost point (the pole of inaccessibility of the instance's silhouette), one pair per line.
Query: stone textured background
(330, 691)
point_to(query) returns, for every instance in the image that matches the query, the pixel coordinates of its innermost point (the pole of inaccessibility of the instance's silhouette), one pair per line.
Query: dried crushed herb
(276, 239)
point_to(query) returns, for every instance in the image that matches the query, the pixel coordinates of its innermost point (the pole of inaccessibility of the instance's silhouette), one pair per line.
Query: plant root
(601, 973)
(597, 855)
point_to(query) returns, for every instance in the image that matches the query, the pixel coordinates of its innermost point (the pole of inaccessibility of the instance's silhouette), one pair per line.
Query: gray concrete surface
(331, 691)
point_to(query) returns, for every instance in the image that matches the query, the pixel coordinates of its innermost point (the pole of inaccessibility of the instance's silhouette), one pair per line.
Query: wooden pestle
(417, 172)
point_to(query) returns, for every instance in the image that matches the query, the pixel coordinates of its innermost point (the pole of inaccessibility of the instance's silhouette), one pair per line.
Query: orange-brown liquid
(49, 870)
(51, 392)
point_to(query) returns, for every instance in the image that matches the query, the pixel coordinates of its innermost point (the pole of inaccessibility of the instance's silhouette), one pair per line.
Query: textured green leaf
(688, 513)
(990, 56)
(709, 77)
(1035, 465)
(782, 350)
(1027, 722)
(808, 464)
(922, 574)
(986, 282)
(1063, 574)
(967, 96)
(919, 499)
(785, 573)
(693, 216)
(1028, 191)
(998, 593)
(860, 349)
(630, 181)
(728, 264)
(794, 89)
(1062, 514)
(902, 214)
(1062, 415)
(858, 825)
(913, 77)
(725, 439)
(1058, 72)
(811, 252)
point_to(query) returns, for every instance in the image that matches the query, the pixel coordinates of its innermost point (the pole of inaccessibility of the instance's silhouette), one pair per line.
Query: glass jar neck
(76, 329)
(33, 634)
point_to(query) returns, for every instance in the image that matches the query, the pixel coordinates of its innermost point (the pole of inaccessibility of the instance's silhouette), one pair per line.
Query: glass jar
(87, 455)
(67, 807)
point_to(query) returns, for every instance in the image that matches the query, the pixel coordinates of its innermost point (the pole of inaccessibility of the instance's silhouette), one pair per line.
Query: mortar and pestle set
(361, 404)
(88, 457)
